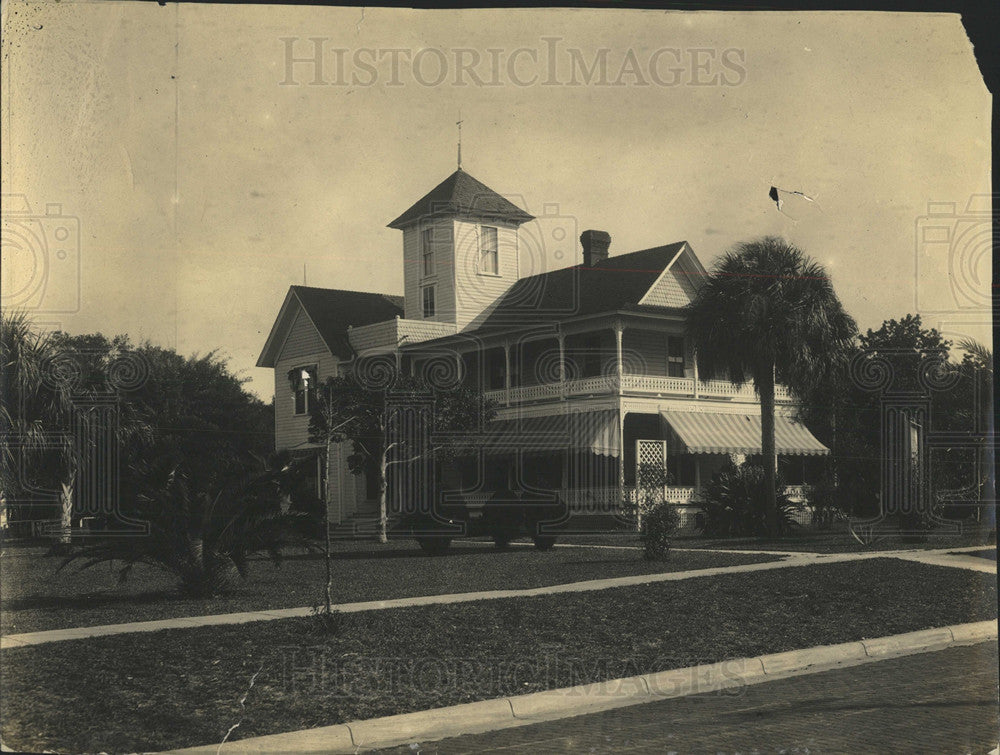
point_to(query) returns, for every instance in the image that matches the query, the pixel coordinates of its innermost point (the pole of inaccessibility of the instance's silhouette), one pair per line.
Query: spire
(459, 124)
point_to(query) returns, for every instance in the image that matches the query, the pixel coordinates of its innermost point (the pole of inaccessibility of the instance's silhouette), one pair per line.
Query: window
(428, 301)
(303, 387)
(675, 356)
(489, 261)
(427, 251)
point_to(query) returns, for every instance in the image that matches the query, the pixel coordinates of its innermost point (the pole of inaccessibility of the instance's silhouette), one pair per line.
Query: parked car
(506, 516)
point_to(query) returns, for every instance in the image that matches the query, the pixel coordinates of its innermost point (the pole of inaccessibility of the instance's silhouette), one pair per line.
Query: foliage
(823, 497)
(845, 414)
(735, 501)
(766, 313)
(203, 534)
(658, 526)
(368, 413)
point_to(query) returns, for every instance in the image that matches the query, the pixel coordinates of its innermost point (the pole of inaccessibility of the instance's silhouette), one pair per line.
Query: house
(587, 364)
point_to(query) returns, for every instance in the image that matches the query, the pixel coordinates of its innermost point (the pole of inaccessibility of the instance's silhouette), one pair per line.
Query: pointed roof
(615, 283)
(461, 194)
(331, 311)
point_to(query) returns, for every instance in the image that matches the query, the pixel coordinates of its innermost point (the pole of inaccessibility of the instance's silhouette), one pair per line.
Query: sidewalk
(557, 704)
(933, 557)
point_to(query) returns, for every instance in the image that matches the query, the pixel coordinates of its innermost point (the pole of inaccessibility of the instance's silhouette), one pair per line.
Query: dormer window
(303, 381)
(489, 261)
(427, 251)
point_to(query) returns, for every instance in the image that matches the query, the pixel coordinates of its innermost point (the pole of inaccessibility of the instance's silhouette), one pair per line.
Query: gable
(303, 340)
(673, 289)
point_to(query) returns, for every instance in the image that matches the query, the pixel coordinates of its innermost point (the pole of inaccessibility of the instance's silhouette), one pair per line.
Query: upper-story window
(427, 251)
(489, 258)
(675, 356)
(427, 294)
(304, 383)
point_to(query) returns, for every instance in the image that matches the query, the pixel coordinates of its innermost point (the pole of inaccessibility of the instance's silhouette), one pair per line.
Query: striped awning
(595, 431)
(706, 433)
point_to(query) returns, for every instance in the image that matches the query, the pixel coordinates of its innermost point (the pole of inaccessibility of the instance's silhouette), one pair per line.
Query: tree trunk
(326, 531)
(769, 455)
(66, 515)
(383, 513)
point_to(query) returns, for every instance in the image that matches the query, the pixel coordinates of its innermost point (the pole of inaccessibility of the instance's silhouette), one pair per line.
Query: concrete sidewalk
(551, 705)
(937, 557)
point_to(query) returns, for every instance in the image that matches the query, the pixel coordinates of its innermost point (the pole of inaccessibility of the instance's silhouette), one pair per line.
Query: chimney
(595, 246)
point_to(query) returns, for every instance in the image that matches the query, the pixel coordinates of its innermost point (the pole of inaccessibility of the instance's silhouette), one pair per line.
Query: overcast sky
(203, 180)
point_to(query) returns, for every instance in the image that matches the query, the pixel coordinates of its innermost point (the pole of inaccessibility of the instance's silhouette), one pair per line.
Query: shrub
(826, 500)
(734, 502)
(659, 524)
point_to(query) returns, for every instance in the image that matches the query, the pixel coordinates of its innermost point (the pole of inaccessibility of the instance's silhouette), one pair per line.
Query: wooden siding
(476, 294)
(674, 289)
(443, 278)
(303, 346)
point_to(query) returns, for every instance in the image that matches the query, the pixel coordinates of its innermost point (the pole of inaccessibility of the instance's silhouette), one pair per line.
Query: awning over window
(596, 432)
(705, 433)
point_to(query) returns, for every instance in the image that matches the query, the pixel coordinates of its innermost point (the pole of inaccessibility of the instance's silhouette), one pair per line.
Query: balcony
(631, 385)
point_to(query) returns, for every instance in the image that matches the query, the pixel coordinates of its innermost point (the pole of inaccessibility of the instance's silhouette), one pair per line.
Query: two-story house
(588, 363)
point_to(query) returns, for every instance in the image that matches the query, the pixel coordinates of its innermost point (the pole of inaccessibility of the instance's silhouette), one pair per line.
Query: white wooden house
(588, 364)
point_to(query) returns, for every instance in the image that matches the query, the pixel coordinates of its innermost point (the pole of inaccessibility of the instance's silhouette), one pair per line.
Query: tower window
(428, 300)
(488, 257)
(427, 250)
(303, 388)
(675, 356)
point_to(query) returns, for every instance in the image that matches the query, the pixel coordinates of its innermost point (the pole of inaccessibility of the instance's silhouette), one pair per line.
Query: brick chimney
(595, 246)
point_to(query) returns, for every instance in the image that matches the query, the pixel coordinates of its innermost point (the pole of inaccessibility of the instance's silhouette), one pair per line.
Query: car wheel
(544, 542)
(434, 546)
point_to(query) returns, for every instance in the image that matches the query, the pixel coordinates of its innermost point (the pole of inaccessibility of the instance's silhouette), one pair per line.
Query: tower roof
(461, 194)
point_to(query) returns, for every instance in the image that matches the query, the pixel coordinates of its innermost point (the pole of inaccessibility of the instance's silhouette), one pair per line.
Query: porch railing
(642, 385)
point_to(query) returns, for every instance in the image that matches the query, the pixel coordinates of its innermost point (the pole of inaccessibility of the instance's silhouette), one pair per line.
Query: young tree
(767, 313)
(351, 409)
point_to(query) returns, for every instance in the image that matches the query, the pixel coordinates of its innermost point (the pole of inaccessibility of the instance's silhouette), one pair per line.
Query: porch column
(506, 372)
(618, 352)
(562, 363)
(694, 359)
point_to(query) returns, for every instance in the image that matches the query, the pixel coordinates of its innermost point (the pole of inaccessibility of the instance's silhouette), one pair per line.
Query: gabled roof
(461, 194)
(616, 283)
(331, 311)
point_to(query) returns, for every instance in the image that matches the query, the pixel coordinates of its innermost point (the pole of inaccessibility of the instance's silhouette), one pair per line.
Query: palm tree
(31, 411)
(768, 313)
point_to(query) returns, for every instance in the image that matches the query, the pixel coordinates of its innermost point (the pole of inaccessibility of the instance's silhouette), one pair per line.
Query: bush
(658, 525)
(734, 504)
(826, 500)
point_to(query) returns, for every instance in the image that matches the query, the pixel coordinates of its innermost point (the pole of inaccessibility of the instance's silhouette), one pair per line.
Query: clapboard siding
(674, 289)
(476, 293)
(302, 347)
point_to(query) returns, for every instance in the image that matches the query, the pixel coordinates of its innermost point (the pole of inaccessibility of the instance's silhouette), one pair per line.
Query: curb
(535, 707)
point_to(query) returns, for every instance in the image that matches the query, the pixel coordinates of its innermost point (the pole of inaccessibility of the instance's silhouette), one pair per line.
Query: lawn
(183, 687)
(35, 597)
(808, 541)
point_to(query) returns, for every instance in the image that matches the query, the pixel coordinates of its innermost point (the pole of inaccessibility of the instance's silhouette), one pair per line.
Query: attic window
(489, 262)
(304, 381)
(427, 251)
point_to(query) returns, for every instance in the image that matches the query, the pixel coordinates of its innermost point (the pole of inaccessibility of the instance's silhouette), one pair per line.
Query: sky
(192, 173)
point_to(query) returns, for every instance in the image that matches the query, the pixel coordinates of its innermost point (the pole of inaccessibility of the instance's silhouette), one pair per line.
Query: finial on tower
(459, 124)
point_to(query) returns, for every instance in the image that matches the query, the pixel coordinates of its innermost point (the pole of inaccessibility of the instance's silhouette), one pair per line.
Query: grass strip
(183, 687)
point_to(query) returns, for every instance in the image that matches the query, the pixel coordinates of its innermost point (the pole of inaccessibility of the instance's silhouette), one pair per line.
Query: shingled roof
(331, 310)
(461, 194)
(612, 284)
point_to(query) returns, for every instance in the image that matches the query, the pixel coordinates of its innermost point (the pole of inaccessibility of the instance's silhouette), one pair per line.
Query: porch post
(562, 363)
(618, 352)
(694, 359)
(506, 372)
